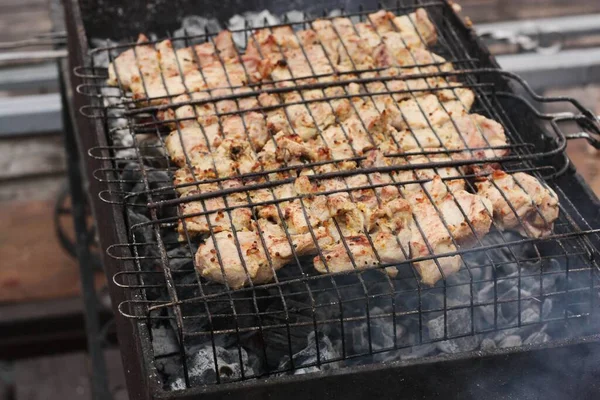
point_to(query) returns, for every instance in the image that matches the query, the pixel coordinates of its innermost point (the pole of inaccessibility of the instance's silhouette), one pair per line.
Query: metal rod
(99, 375)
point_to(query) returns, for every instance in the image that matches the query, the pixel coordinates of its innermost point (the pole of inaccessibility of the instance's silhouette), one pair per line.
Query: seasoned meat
(192, 140)
(353, 139)
(416, 28)
(183, 61)
(470, 131)
(428, 174)
(444, 220)
(175, 62)
(235, 259)
(214, 216)
(373, 226)
(297, 215)
(388, 243)
(520, 202)
(133, 64)
(427, 111)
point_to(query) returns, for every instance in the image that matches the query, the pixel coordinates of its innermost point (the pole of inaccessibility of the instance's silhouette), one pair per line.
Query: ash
(316, 325)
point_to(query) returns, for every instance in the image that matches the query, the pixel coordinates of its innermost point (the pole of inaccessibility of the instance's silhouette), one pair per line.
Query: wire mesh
(169, 218)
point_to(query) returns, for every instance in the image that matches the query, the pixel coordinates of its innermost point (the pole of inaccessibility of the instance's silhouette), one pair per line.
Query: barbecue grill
(345, 334)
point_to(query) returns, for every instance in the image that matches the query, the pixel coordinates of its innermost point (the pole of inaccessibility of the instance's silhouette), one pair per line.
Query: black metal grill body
(499, 372)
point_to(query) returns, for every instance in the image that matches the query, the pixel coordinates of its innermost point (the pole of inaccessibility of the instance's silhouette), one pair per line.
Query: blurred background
(554, 44)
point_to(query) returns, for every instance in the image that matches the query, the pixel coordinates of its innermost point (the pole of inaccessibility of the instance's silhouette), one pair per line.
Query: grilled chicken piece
(233, 72)
(308, 120)
(417, 23)
(258, 263)
(235, 260)
(154, 73)
(155, 89)
(404, 89)
(340, 143)
(364, 130)
(175, 62)
(290, 149)
(183, 61)
(133, 64)
(238, 219)
(298, 216)
(416, 28)
(243, 126)
(305, 116)
(220, 47)
(521, 202)
(471, 131)
(251, 127)
(345, 49)
(371, 226)
(427, 111)
(357, 248)
(186, 179)
(192, 140)
(443, 220)
(303, 244)
(278, 194)
(392, 52)
(273, 42)
(477, 131)
(301, 63)
(202, 111)
(422, 174)
(356, 253)
(232, 157)
(430, 238)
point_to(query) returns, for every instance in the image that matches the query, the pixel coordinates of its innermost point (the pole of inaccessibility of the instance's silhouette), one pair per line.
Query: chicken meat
(520, 202)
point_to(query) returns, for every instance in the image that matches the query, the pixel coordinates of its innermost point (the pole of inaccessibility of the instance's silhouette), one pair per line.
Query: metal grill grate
(503, 274)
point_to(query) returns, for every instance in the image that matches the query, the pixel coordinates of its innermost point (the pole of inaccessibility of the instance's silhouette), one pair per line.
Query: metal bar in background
(42, 77)
(37, 114)
(20, 56)
(568, 26)
(544, 64)
(577, 67)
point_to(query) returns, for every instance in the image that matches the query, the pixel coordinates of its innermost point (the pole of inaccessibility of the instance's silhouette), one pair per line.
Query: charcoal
(278, 339)
(164, 341)
(510, 341)
(204, 371)
(530, 315)
(459, 345)
(458, 323)
(546, 308)
(487, 344)
(381, 334)
(502, 333)
(180, 258)
(193, 25)
(459, 296)
(420, 351)
(537, 338)
(294, 16)
(307, 356)
(101, 58)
